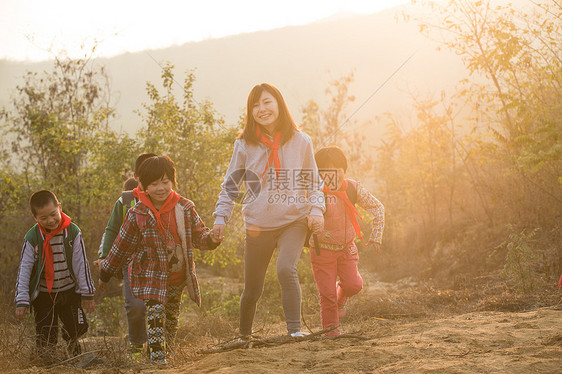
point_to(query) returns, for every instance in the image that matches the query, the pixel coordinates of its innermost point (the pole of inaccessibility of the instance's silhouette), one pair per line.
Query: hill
(300, 60)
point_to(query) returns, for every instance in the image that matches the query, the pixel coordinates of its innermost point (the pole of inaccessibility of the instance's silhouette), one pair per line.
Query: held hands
(88, 305)
(217, 233)
(21, 311)
(316, 223)
(98, 263)
(377, 247)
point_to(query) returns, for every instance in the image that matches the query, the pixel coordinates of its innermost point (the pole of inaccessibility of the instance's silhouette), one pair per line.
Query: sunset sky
(40, 29)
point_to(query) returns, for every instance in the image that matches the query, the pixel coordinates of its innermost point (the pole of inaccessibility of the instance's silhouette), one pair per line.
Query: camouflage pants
(162, 323)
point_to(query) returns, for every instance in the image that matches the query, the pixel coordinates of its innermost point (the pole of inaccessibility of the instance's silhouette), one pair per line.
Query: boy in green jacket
(54, 277)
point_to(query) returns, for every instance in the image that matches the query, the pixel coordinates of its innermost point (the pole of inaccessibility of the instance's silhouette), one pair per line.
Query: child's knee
(353, 287)
(286, 273)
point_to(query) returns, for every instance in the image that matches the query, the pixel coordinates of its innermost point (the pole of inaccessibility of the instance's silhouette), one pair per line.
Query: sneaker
(299, 334)
(333, 333)
(244, 338)
(158, 358)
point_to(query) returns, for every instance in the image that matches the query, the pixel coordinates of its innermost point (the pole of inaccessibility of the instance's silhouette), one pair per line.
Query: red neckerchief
(350, 210)
(273, 156)
(48, 250)
(168, 205)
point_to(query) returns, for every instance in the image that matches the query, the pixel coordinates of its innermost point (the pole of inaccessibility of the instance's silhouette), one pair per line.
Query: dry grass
(377, 306)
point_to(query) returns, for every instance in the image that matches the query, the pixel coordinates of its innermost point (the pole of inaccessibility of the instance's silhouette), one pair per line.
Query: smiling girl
(160, 232)
(284, 201)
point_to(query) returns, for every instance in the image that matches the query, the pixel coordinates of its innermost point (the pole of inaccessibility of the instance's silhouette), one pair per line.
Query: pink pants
(327, 268)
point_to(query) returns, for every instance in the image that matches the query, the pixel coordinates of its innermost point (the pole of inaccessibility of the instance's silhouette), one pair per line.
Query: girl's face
(159, 190)
(266, 111)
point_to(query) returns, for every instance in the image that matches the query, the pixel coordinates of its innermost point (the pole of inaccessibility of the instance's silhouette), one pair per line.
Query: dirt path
(485, 342)
(477, 342)
(480, 342)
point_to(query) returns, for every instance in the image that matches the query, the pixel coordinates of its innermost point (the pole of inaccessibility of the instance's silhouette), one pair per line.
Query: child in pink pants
(334, 263)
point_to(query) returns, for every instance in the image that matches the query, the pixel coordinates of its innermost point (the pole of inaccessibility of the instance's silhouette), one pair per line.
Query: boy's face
(333, 177)
(48, 216)
(159, 190)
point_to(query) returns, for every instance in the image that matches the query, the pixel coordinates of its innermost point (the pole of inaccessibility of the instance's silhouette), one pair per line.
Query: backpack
(128, 202)
(351, 193)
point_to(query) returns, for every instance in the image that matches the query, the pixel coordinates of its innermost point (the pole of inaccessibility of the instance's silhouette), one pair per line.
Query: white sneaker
(244, 339)
(299, 334)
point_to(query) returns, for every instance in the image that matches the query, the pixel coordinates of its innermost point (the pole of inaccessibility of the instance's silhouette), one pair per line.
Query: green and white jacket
(69, 258)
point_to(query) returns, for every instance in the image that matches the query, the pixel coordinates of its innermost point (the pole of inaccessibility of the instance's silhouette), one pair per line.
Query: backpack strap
(351, 191)
(128, 202)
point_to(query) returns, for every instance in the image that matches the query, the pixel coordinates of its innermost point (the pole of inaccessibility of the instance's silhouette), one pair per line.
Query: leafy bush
(109, 317)
(522, 261)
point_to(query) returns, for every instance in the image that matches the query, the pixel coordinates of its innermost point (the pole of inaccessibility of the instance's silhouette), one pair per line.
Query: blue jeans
(135, 310)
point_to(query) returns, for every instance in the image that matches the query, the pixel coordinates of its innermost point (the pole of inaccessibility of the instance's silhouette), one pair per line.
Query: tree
(58, 117)
(511, 153)
(196, 139)
(332, 126)
(518, 53)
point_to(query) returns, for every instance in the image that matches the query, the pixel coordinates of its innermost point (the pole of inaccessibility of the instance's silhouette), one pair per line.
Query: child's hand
(88, 305)
(377, 247)
(21, 311)
(98, 263)
(316, 223)
(217, 233)
(214, 240)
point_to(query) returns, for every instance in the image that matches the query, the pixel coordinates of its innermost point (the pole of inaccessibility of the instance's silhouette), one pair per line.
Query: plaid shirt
(139, 238)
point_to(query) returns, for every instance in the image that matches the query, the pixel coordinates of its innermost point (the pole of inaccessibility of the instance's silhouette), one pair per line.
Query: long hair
(285, 122)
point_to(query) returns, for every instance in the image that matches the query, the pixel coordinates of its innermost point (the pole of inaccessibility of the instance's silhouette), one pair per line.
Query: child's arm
(370, 203)
(200, 235)
(315, 185)
(22, 298)
(123, 247)
(230, 188)
(315, 195)
(81, 268)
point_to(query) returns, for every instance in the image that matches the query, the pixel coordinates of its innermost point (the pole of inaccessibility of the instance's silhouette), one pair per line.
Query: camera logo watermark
(235, 181)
